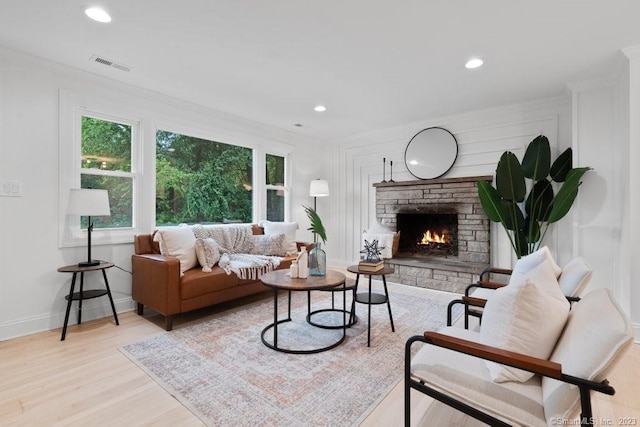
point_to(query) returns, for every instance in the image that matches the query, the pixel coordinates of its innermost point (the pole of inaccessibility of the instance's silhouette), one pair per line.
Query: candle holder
(384, 163)
(391, 175)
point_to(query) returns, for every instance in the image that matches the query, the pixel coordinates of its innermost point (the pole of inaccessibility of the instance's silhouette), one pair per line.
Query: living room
(592, 112)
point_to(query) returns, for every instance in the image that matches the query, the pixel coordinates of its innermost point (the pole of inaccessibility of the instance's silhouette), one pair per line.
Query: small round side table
(370, 298)
(82, 295)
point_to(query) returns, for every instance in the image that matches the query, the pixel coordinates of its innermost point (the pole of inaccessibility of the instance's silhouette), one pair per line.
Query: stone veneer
(442, 195)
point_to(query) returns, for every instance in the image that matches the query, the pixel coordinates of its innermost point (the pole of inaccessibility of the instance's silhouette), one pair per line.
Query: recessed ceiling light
(474, 63)
(320, 108)
(97, 14)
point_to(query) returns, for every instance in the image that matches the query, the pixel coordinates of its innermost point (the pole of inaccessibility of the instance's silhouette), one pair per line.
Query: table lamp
(88, 202)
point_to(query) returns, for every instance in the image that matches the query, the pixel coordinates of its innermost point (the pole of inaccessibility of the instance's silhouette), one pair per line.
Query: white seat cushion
(466, 378)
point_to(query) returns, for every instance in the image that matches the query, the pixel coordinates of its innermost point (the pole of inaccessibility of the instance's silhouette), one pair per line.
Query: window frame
(286, 188)
(71, 234)
(195, 132)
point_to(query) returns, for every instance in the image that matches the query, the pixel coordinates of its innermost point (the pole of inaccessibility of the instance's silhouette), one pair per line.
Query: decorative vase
(317, 261)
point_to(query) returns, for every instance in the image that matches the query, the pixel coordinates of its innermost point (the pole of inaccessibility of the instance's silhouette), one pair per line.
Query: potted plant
(317, 256)
(526, 216)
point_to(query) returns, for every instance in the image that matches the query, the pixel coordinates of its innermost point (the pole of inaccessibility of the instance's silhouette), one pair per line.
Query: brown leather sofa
(157, 283)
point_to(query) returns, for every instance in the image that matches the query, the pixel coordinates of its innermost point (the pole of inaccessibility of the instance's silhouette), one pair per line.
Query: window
(202, 181)
(106, 160)
(275, 185)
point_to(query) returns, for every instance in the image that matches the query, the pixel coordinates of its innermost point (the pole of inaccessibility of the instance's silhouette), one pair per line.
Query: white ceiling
(373, 63)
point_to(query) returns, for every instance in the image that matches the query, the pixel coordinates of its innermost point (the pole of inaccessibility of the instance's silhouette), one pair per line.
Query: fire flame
(432, 237)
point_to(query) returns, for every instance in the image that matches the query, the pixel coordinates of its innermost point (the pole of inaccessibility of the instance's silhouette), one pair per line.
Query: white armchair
(572, 279)
(452, 368)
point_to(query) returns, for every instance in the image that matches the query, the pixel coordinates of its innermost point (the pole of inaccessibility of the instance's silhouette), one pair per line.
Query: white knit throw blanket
(247, 266)
(235, 244)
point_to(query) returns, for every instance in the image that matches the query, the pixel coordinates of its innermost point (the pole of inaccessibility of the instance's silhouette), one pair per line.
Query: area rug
(220, 370)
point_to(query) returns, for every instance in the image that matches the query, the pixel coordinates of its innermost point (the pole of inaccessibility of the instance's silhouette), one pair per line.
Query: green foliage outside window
(201, 181)
(106, 164)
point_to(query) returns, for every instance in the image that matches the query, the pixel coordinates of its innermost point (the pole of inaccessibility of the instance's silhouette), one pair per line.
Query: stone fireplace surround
(441, 195)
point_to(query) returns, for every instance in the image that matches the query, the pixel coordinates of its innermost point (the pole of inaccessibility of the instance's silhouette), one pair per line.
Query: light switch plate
(10, 188)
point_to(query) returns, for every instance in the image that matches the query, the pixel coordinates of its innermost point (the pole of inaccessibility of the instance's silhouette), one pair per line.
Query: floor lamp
(88, 202)
(318, 188)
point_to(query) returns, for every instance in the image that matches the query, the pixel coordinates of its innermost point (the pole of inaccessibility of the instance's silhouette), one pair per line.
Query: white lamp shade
(88, 202)
(319, 188)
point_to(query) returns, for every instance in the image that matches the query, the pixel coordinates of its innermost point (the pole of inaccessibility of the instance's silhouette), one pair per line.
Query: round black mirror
(431, 153)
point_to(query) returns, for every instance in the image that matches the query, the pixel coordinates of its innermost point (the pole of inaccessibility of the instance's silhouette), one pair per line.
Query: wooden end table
(280, 280)
(82, 295)
(370, 298)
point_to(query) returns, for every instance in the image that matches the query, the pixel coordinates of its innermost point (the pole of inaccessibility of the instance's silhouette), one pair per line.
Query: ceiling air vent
(109, 63)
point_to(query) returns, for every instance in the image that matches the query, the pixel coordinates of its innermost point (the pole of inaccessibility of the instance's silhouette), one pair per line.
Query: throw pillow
(575, 277)
(208, 253)
(526, 317)
(529, 262)
(597, 332)
(287, 228)
(179, 242)
(383, 235)
(378, 228)
(269, 244)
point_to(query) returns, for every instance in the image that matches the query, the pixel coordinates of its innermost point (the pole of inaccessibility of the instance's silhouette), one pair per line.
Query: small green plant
(526, 217)
(316, 224)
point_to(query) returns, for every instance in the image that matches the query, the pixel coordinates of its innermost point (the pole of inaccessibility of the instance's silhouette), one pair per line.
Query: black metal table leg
(113, 306)
(80, 299)
(66, 316)
(369, 316)
(275, 318)
(386, 293)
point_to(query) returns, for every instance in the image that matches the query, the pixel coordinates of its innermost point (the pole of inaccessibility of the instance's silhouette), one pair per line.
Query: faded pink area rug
(222, 372)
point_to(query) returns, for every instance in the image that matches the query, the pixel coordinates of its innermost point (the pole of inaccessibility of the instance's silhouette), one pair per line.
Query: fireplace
(428, 234)
(446, 207)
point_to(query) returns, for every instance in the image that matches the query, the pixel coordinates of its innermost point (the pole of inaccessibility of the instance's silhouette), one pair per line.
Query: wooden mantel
(488, 178)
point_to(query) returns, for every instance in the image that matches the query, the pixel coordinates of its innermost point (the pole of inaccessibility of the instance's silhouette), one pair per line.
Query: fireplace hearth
(444, 233)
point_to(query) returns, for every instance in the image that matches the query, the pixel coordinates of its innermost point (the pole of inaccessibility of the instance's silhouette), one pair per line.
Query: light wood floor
(86, 381)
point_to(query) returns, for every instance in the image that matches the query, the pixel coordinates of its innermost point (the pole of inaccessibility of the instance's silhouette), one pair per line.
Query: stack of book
(371, 265)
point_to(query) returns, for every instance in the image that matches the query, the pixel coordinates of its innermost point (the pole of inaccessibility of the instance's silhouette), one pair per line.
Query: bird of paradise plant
(526, 217)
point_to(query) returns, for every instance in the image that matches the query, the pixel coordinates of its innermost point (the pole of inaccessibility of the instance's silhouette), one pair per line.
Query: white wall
(482, 138)
(31, 290)
(632, 195)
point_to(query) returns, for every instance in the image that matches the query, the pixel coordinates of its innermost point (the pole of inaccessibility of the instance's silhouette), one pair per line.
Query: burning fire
(433, 237)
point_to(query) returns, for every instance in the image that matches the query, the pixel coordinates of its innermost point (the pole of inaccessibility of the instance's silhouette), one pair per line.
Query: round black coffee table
(280, 280)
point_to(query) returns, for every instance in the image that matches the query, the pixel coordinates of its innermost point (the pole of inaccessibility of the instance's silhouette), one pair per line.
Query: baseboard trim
(47, 322)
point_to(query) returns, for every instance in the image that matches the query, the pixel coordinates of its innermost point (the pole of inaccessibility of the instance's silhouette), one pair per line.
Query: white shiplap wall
(482, 137)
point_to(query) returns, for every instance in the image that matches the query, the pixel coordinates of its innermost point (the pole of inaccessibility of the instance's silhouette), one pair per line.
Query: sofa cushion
(287, 228)
(208, 253)
(269, 244)
(195, 282)
(179, 242)
(526, 317)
